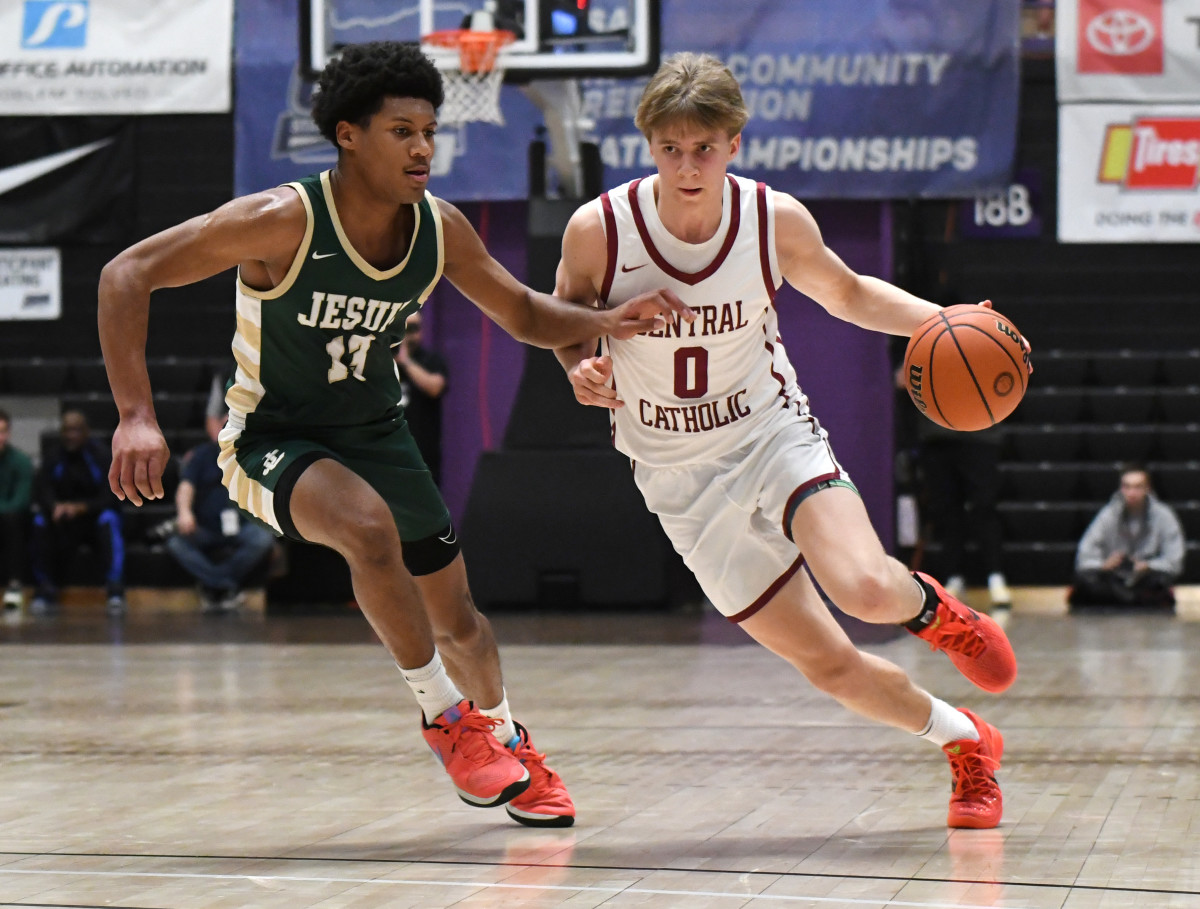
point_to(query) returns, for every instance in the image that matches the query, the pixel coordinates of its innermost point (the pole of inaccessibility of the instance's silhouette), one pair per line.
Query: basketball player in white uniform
(724, 448)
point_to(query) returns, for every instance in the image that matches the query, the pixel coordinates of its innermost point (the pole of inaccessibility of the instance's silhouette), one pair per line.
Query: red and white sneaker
(546, 802)
(483, 771)
(975, 799)
(975, 644)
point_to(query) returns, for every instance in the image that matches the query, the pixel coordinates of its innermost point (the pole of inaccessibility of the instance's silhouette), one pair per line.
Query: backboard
(555, 39)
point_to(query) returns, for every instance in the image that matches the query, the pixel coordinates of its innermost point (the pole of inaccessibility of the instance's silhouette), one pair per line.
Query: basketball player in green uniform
(316, 446)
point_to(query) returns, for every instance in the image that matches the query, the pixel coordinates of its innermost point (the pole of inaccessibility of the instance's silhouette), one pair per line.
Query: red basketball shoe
(975, 799)
(546, 802)
(483, 771)
(976, 645)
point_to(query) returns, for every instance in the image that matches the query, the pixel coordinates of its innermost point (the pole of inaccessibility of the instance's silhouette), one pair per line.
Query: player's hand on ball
(590, 381)
(987, 304)
(648, 312)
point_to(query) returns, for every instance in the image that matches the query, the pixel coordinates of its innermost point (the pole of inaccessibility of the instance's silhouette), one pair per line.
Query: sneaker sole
(973, 822)
(510, 792)
(539, 820)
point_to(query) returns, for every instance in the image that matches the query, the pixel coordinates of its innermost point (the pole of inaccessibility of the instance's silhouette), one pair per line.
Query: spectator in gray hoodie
(1132, 552)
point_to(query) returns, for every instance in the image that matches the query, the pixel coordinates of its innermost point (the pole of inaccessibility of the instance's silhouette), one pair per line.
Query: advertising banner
(115, 56)
(1128, 50)
(873, 100)
(30, 284)
(66, 180)
(1128, 173)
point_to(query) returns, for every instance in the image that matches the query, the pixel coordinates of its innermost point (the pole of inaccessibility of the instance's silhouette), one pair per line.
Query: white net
(472, 90)
(472, 97)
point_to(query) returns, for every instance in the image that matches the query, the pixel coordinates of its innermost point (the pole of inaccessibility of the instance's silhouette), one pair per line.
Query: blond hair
(697, 89)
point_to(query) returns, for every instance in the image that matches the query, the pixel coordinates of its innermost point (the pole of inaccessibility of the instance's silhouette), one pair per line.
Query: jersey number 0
(691, 372)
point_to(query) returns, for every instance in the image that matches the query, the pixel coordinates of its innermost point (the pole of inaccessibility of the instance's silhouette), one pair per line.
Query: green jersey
(314, 352)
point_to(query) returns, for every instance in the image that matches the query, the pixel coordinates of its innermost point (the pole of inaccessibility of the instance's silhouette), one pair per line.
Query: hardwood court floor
(268, 767)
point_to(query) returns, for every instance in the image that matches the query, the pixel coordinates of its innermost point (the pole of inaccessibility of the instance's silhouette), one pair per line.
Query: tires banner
(1128, 173)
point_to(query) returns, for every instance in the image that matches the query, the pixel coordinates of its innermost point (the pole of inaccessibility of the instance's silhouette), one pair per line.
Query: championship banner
(1128, 50)
(872, 100)
(1128, 173)
(115, 56)
(30, 284)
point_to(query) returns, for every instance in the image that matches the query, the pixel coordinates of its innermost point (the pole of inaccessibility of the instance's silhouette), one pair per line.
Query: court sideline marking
(476, 885)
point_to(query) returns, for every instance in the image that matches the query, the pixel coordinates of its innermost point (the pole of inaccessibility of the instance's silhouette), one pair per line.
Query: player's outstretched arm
(254, 231)
(816, 271)
(532, 317)
(579, 277)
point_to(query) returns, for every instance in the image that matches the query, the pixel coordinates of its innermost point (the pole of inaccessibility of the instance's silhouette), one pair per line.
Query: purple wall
(843, 369)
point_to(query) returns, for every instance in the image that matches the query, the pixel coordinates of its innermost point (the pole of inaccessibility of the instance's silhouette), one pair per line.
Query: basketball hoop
(473, 90)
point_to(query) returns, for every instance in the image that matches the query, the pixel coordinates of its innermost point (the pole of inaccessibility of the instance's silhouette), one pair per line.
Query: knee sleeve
(431, 554)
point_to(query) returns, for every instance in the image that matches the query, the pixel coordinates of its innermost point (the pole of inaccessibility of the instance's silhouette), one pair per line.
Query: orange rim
(476, 50)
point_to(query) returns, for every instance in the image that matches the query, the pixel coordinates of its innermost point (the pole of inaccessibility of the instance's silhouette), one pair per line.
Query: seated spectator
(16, 493)
(1133, 550)
(75, 507)
(215, 543)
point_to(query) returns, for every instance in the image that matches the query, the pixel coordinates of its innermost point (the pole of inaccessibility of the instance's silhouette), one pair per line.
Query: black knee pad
(431, 554)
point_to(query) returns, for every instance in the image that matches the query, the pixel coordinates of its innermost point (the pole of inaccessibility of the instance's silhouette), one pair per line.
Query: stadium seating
(1085, 413)
(180, 394)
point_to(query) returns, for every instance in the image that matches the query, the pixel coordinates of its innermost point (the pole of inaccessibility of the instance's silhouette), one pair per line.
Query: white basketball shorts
(729, 518)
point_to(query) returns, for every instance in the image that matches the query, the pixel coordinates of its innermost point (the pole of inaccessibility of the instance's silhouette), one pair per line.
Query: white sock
(947, 725)
(507, 730)
(433, 688)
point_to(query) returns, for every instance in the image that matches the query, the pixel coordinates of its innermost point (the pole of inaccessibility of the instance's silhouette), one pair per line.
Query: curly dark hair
(352, 85)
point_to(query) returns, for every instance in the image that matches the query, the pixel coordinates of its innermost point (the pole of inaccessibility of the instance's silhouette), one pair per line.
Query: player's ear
(735, 145)
(347, 134)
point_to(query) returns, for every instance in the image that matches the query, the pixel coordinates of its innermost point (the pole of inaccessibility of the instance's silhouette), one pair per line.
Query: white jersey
(696, 392)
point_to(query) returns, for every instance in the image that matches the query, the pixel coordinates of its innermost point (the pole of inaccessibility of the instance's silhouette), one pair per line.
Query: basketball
(965, 367)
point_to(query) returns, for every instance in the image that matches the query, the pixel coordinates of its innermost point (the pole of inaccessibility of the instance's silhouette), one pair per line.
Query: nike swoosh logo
(19, 174)
(317, 255)
(635, 268)
(449, 538)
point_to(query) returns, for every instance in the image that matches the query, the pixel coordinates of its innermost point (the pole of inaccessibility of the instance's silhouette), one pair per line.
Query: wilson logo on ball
(1005, 330)
(914, 386)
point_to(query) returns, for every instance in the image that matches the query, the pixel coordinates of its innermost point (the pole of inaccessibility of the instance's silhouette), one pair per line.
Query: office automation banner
(1128, 173)
(872, 99)
(1127, 50)
(115, 56)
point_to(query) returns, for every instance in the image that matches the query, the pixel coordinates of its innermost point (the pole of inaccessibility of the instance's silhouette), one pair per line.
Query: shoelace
(973, 773)
(475, 749)
(959, 636)
(531, 757)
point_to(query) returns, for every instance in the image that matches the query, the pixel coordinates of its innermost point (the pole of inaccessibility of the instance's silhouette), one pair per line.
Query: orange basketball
(965, 367)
